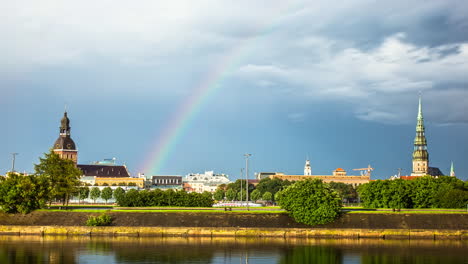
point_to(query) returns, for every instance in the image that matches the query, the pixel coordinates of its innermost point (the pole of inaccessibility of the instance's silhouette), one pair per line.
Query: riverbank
(236, 224)
(114, 231)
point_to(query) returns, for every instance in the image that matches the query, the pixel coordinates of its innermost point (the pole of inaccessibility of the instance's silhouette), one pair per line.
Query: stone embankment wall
(239, 224)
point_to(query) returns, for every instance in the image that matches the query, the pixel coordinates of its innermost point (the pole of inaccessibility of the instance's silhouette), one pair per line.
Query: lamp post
(247, 179)
(240, 180)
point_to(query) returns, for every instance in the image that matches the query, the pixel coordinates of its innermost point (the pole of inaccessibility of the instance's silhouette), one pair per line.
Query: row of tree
(423, 192)
(267, 189)
(134, 198)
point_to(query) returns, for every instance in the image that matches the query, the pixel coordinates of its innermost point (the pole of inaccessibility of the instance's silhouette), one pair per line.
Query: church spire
(452, 170)
(64, 145)
(420, 154)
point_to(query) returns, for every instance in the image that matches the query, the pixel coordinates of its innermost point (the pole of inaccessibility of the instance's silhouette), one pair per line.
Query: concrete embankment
(362, 225)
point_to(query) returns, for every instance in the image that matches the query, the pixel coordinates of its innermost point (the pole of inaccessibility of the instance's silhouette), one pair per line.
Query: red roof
(339, 169)
(409, 177)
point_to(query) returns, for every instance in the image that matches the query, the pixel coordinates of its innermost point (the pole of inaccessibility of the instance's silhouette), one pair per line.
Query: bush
(310, 202)
(102, 220)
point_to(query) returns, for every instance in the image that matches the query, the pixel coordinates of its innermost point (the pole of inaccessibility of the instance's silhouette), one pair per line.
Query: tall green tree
(23, 194)
(311, 202)
(62, 174)
(219, 194)
(255, 195)
(267, 196)
(231, 194)
(83, 193)
(106, 194)
(95, 194)
(118, 194)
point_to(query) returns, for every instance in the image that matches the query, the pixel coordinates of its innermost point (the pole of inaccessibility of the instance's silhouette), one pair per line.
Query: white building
(208, 181)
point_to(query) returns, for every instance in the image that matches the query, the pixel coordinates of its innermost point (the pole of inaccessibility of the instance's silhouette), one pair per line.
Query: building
(420, 154)
(120, 181)
(64, 146)
(208, 181)
(166, 182)
(99, 173)
(338, 175)
(263, 175)
(307, 168)
(109, 171)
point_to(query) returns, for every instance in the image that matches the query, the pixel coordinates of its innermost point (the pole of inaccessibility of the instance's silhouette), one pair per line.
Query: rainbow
(180, 121)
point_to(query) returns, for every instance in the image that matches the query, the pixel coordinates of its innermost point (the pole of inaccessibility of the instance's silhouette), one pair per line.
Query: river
(108, 250)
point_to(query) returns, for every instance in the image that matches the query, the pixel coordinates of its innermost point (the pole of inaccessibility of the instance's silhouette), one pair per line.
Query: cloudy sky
(283, 80)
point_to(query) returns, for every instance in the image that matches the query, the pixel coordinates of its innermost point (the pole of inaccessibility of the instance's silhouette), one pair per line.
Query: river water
(62, 249)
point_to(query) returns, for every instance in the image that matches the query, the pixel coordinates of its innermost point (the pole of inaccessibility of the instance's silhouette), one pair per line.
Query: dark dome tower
(64, 145)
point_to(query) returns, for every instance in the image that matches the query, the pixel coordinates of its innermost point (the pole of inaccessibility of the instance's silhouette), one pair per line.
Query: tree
(311, 202)
(95, 193)
(267, 196)
(231, 195)
(346, 191)
(106, 193)
(219, 194)
(118, 194)
(83, 193)
(255, 195)
(241, 196)
(62, 174)
(270, 185)
(23, 194)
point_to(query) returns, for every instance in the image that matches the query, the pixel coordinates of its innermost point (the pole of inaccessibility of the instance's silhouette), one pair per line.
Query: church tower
(452, 170)
(420, 154)
(64, 145)
(307, 168)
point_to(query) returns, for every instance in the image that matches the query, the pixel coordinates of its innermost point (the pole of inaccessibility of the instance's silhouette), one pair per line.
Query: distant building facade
(338, 175)
(166, 182)
(208, 181)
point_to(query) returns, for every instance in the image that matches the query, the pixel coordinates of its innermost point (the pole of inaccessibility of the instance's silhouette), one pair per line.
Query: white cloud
(385, 74)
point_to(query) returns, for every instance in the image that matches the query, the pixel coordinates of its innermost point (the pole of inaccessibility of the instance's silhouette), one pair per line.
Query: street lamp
(247, 179)
(240, 180)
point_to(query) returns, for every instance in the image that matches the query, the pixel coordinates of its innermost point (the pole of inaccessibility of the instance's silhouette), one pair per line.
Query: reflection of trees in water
(62, 249)
(312, 254)
(165, 254)
(35, 253)
(418, 257)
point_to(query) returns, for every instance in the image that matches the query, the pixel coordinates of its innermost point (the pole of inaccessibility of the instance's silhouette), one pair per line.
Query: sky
(178, 87)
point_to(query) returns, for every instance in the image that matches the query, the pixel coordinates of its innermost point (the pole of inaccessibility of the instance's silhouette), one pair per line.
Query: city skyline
(200, 85)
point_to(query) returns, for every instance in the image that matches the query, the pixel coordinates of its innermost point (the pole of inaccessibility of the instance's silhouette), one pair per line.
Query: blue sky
(336, 83)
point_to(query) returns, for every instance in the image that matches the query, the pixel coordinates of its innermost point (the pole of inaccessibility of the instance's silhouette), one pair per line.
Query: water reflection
(62, 249)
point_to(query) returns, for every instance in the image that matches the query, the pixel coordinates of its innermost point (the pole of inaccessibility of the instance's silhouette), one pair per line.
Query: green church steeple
(420, 154)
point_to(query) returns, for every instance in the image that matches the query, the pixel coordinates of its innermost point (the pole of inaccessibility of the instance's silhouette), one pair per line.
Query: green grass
(200, 211)
(409, 212)
(163, 211)
(81, 205)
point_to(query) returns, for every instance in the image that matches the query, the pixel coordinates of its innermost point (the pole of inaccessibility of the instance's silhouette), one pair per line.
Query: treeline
(134, 198)
(423, 192)
(157, 197)
(236, 191)
(267, 189)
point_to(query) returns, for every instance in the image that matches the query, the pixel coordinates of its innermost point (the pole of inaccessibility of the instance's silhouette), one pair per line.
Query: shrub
(310, 202)
(101, 220)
